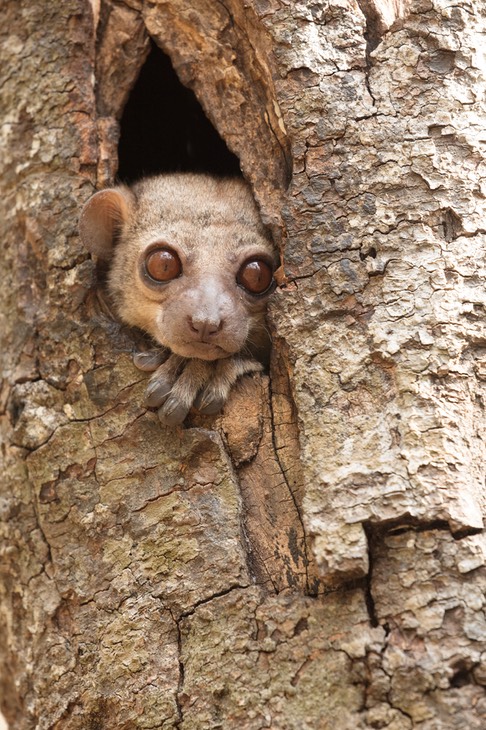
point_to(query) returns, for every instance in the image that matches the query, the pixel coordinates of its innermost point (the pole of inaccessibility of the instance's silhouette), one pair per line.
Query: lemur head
(189, 261)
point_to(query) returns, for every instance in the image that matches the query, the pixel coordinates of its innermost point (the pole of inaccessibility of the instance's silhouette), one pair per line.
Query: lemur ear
(103, 218)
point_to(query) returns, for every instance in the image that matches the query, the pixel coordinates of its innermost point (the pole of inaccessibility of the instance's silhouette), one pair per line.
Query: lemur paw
(180, 383)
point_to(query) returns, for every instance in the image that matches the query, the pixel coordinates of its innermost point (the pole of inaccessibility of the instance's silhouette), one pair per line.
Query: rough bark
(314, 557)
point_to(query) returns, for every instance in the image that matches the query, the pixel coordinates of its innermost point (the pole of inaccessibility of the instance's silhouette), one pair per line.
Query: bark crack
(180, 684)
(290, 491)
(368, 587)
(208, 599)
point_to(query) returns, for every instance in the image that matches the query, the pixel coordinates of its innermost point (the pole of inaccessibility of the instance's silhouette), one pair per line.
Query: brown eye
(256, 276)
(162, 264)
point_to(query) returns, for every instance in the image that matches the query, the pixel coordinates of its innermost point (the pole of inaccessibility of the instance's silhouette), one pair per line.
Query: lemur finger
(192, 379)
(161, 382)
(213, 397)
(210, 403)
(150, 360)
(173, 411)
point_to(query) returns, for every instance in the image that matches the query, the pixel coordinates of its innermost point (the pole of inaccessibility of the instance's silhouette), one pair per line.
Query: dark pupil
(256, 276)
(163, 265)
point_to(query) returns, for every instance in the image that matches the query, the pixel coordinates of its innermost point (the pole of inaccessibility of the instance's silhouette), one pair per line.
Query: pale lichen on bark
(386, 388)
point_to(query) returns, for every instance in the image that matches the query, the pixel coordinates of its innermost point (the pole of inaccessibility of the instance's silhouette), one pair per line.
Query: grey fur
(214, 329)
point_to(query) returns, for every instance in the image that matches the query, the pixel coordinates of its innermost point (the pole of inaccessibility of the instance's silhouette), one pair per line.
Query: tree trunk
(313, 557)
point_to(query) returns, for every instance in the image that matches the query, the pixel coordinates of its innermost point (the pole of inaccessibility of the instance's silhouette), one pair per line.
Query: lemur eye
(256, 276)
(162, 264)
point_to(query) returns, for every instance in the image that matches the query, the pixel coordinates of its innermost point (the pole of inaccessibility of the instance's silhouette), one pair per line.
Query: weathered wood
(309, 558)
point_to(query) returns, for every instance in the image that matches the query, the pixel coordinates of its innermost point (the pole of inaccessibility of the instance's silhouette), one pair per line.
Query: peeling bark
(314, 556)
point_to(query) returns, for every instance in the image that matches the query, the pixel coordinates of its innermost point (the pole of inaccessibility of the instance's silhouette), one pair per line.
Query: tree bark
(315, 556)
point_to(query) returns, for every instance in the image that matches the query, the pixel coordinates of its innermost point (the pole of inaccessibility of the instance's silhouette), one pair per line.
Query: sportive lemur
(190, 263)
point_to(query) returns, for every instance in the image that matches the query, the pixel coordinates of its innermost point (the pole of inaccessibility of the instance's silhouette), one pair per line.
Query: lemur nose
(203, 327)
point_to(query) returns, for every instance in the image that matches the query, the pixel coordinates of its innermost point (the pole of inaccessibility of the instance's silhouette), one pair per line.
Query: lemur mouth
(208, 351)
(202, 350)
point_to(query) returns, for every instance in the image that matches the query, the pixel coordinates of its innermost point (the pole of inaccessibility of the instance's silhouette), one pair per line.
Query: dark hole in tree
(462, 675)
(164, 129)
(461, 678)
